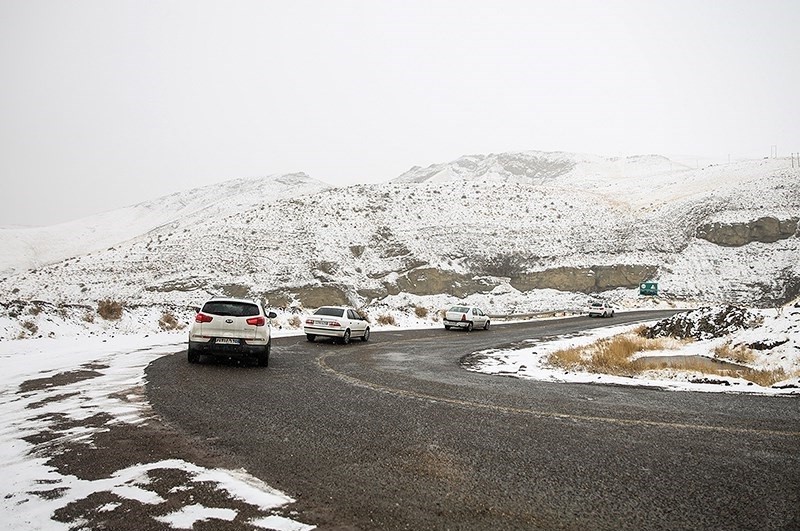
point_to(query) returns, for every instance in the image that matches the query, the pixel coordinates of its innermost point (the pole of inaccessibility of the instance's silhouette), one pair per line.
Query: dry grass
(568, 358)
(764, 378)
(608, 356)
(613, 356)
(737, 354)
(295, 321)
(421, 312)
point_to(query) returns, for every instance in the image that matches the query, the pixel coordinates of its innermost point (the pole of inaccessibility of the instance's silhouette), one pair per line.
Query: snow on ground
(779, 327)
(112, 382)
(112, 364)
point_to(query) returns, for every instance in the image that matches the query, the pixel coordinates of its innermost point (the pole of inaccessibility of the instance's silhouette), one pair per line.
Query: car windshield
(231, 308)
(333, 312)
(459, 309)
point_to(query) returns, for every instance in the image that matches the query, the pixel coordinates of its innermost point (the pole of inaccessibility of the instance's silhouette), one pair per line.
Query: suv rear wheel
(263, 359)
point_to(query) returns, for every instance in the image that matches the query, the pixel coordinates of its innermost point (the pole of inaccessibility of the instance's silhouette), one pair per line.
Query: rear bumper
(457, 324)
(328, 332)
(241, 350)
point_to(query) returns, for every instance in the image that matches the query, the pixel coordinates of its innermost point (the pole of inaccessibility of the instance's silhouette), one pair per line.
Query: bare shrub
(30, 326)
(295, 322)
(364, 315)
(168, 322)
(88, 317)
(109, 310)
(421, 312)
(387, 319)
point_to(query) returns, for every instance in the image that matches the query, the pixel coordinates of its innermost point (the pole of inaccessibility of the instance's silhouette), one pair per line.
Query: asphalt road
(395, 434)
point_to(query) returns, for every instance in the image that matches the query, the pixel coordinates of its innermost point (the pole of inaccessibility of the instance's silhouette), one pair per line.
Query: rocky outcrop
(765, 230)
(585, 280)
(703, 323)
(308, 296)
(432, 281)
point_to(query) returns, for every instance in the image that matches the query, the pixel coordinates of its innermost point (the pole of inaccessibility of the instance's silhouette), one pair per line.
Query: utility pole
(773, 152)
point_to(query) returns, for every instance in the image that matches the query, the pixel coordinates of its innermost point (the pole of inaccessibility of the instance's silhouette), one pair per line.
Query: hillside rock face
(586, 280)
(765, 230)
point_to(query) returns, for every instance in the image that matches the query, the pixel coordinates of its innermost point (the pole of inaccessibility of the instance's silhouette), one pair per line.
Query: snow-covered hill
(514, 233)
(29, 248)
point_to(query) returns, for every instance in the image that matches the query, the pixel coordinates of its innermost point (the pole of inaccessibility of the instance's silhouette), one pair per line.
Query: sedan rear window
(460, 309)
(231, 309)
(333, 312)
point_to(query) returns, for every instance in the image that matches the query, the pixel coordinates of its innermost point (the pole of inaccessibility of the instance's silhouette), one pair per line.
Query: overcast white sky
(107, 103)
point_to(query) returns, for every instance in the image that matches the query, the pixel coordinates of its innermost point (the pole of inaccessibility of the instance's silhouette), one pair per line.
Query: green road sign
(648, 288)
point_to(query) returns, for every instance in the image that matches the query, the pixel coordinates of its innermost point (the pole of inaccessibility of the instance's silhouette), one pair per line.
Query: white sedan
(337, 322)
(466, 317)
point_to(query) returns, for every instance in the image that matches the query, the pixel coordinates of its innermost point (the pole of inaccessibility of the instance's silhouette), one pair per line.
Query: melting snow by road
(778, 327)
(79, 378)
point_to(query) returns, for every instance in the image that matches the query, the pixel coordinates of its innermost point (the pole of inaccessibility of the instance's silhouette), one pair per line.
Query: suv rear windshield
(230, 308)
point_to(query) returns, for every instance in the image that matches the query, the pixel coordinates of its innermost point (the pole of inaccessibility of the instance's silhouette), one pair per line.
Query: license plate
(226, 341)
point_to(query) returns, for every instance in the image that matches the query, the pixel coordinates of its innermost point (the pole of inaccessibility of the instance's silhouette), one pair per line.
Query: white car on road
(337, 322)
(600, 309)
(466, 317)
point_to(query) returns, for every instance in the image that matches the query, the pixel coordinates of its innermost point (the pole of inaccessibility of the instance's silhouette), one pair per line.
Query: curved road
(395, 434)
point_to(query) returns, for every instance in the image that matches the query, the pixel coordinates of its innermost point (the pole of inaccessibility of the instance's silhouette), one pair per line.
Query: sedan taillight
(257, 321)
(203, 318)
(334, 323)
(463, 317)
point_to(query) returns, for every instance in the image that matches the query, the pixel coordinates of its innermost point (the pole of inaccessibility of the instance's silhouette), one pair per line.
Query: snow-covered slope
(28, 248)
(515, 233)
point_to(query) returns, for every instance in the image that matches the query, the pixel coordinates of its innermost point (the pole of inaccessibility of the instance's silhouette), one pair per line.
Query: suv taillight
(202, 318)
(257, 321)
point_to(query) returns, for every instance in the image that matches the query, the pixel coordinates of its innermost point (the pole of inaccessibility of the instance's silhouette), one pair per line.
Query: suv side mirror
(272, 315)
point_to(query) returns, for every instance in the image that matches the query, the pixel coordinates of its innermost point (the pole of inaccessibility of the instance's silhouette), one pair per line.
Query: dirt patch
(59, 380)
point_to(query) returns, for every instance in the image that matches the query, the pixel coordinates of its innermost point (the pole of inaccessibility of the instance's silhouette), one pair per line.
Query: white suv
(231, 327)
(600, 309)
